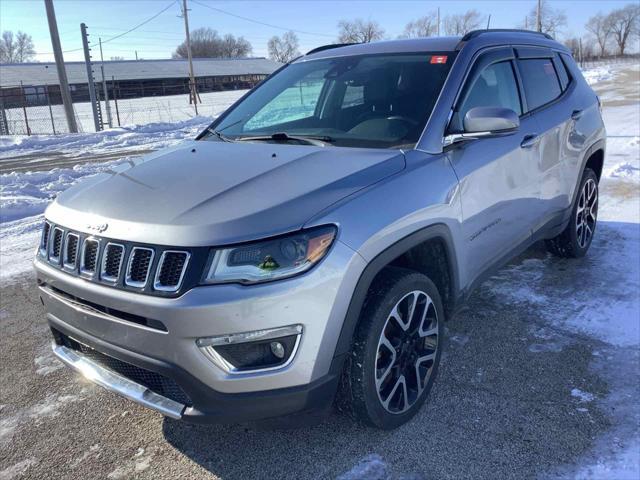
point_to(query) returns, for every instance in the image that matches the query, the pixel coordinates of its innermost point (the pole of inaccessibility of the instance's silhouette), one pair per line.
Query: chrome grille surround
(44, 238)
(135, 252)
(173, 286)
(89, 243)
(141, 268)
(56, 244)
(71, 247)
(113, 252)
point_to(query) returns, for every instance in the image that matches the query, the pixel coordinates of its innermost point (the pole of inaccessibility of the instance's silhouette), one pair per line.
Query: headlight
(271, 259)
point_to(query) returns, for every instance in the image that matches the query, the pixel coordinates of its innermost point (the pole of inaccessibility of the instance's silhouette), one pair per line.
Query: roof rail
(329, 47)
(476, 33)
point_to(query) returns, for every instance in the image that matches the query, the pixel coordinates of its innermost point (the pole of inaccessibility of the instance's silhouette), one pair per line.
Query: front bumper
(317, 300)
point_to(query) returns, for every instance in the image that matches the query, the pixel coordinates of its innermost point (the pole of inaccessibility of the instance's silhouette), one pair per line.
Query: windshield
(379, 101)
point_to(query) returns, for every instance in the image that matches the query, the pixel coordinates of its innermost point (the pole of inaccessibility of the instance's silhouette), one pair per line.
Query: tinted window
(495, 87)
(540, 81)
(562, 72)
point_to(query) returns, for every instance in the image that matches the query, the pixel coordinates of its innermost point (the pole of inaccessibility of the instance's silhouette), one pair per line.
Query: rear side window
(540, 80)
(495, 87)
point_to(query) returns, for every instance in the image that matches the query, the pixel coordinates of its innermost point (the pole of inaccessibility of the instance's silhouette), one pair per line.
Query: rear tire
(575, 240)
(396, 350)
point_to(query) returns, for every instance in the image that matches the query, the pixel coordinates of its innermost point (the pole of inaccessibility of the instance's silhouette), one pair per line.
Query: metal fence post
(4, 125)
(115, 98)
(53, 124)
(24, 109)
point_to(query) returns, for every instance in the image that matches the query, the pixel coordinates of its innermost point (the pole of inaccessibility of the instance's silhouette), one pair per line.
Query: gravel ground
(502, 407)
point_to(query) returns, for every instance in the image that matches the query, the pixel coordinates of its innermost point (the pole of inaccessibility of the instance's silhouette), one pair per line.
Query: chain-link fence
(33, 110)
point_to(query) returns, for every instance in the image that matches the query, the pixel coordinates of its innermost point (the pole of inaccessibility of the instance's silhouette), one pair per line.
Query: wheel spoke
(399, 382)
(384, 341)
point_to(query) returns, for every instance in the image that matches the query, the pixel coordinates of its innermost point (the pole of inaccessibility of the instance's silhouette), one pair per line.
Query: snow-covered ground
(616, 321)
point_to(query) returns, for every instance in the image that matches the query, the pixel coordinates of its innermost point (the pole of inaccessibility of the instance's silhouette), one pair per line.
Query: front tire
(396, 350)
(576, 238)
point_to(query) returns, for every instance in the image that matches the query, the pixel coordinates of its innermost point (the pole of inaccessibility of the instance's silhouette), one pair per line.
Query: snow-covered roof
(45, 73)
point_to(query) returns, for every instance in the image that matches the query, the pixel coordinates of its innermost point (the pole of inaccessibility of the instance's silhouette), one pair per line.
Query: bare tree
(551, 19)
(359, 31)
(421, 27)
(16, 50)
(206, 43)
(284, 49)
(600, 26)
(461, 23)
(624, 24)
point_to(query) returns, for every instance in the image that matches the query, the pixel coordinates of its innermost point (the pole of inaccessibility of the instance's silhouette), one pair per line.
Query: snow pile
(149, 136)
(598, 74)
(24, 194)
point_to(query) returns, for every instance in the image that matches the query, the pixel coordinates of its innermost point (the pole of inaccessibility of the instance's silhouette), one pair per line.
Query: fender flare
(599, 144)
(438, 231)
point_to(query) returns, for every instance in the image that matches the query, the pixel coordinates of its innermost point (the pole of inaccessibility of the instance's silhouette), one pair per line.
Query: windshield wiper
(218, 134)
(319, 140)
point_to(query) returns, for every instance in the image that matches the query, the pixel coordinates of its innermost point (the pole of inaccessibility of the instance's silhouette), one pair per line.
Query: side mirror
(490, 120)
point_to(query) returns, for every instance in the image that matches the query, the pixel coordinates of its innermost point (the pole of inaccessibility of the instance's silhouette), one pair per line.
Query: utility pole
(193, 93)
(95, 106)
(136, 54)
(488, 21)
(62, 72)
(538, 17)
(438, 29)
(104, 87)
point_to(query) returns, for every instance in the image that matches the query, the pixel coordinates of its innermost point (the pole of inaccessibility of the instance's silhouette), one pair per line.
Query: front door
(499, 176)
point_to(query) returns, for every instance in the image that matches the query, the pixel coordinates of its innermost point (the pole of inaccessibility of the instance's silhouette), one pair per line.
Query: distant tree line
(16, 48)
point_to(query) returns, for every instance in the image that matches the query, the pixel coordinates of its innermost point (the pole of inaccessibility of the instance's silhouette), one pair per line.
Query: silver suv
(307, 247)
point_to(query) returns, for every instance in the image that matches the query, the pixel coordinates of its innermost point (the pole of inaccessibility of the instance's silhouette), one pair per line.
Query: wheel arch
(434, 236)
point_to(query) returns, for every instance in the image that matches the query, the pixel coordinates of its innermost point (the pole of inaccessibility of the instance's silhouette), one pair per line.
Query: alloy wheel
(406, 352)
(587, 213)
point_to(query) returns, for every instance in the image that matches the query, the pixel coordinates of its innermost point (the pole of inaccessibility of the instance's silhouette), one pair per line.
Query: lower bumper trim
(118, 384)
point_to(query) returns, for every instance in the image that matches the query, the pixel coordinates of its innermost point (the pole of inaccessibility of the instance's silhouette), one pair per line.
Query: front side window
(541, 84)
(495, 86)
(377, 101)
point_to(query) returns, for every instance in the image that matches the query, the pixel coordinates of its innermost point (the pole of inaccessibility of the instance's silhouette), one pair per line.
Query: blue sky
(158, 38)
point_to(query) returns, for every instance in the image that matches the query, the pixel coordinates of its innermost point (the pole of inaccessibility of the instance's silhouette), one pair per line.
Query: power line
(124, 33)
(143, 23)
(259, 22)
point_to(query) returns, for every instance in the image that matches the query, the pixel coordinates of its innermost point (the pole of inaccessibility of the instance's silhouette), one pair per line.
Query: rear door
(499, 176)
(546, 84)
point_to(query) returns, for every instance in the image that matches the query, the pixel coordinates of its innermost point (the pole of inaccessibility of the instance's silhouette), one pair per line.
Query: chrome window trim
(52, 236)
(84, 272)
(127, 276)
(103, 263)
(161, 288)
(65, 263)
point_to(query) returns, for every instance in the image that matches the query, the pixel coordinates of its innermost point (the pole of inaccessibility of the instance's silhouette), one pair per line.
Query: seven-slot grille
(116, 264)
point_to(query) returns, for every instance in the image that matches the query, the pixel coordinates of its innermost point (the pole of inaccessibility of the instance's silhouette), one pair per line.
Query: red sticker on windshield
(439, 59)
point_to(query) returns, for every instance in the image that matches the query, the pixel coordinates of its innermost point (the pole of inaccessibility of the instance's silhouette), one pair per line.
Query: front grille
(112, 262)
(139, 267)
(148, 269)
(71, 250)
(155, 382)
(171, 270)
(56, 245)
(44, 241)
(89, 261)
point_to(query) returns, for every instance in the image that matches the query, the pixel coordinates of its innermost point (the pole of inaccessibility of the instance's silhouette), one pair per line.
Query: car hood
(210, 193)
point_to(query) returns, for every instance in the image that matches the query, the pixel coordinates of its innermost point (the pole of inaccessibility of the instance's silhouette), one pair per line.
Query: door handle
(576, 114)
(530, 140)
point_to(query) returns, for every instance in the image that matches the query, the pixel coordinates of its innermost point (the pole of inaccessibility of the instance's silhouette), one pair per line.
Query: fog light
(277, 349)
(256, 351)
